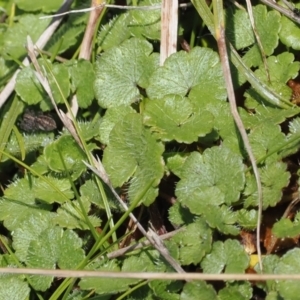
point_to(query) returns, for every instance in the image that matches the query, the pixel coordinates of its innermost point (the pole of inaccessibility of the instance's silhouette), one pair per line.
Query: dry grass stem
(169, 28)
(150, 275)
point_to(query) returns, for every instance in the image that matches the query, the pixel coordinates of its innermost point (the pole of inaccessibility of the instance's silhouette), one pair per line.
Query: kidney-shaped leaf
(208, 179)
(175, 118)
(229, 256)
(200, 69)
(53, 246)
(122, 70)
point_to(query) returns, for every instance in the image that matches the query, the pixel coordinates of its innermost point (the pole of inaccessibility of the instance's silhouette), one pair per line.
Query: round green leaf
(120, 72)
(198, 290)
(13, 288)
(15, 37)
(199, 69)
(274, 178)
(28, 87)
(29, 230)
(175, 118)
(112, 116)
(240, 35)
(194, 241)
(207, 179)
(229, 257)
(236, 290)
(53, 247)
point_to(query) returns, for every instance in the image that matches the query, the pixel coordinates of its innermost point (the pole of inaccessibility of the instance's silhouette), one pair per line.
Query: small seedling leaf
(221, 218)
(114, 32)
(165, 289)
(241, 36)
(206, 179)
(68, 34)
(274, 178)
(175, 162)
(146, 23)
(175, 118)
(247, 218)
(44, 192)
(228, 257)
(31, 91)
(200, 289)
(89, 130)
(67, 149)
(193, 242)
(265, 138)
(53, 246)
(281, 67)
(236, 290)
(286, 228)
(180, 215)
(90, 191)
(69, 216)
(28, 87)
